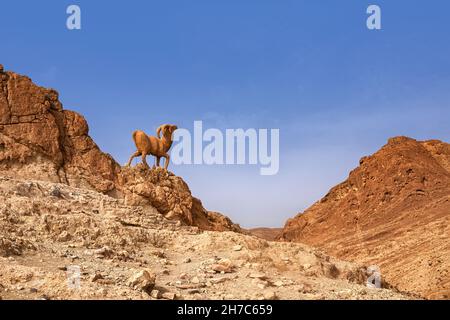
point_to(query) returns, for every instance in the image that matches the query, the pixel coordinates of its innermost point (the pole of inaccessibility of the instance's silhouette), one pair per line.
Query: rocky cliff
(42, 141)
(392, 211)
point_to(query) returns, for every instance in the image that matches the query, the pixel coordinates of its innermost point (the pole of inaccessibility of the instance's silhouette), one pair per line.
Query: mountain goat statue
(155, 146)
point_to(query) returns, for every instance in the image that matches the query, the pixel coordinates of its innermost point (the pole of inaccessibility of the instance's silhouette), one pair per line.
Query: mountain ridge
(393, 211)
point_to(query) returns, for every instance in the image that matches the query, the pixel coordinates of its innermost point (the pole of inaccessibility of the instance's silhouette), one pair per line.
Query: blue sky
(336, 90)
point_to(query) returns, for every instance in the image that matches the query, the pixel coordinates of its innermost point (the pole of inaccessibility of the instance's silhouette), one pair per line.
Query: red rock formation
(392, 211)
(39, 140)
(170, 195)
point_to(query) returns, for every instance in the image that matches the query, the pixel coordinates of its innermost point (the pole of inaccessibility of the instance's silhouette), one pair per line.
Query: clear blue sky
(336, 90)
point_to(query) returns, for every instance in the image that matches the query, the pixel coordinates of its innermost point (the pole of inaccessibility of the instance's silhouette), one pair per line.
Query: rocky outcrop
(392, 211)
(40, 140)
(170, 195)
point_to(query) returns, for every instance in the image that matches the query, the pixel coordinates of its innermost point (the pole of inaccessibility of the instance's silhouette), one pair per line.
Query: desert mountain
(75, 225)
(50, 232)
(393, 211)
(40, 140)
(270, 234)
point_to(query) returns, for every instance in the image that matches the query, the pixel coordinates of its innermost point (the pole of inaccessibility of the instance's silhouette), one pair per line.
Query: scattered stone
(159, 253)
(193, 291)
(270, 295)
(330, 270)
(155, 294)
(257, 296)
(164, 262)
(55, 192)
(96, 277)
(237, 248)
(190, 286)
(103, 292)
(169, 295)
(224, 266)
(195, 280)
(362, 292)
(187, 260)
(262, 284)
(125, 255)
(218, 280)
(183, 276)
(104, 252)
(143, 280)
(305, 288)
(278, 283)
(257, 275)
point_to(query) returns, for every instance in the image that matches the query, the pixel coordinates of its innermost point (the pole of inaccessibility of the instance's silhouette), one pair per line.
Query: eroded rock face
(40, 140)
(393, 211)
(170, 195)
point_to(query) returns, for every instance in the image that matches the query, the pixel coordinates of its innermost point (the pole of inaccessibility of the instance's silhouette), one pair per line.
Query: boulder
(143, 280)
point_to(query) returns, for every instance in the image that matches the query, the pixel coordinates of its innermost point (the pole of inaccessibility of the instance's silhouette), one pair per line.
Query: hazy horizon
(336, 90)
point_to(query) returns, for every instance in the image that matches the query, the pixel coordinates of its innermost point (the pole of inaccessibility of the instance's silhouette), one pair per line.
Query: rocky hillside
(74, 224)
(63, 242)
(393, 211)
(40, 140)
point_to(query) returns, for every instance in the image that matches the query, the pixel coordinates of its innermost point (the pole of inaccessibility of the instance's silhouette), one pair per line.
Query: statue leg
(144, 161)
(166, 163)
(134, 155)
